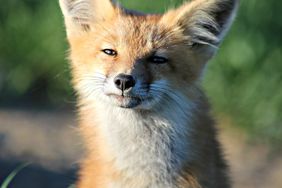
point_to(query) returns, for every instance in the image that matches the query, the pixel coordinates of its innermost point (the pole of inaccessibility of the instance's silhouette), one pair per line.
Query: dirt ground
(49, 140)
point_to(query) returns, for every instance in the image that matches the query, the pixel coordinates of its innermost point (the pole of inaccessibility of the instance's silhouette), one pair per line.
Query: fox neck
(149, 145)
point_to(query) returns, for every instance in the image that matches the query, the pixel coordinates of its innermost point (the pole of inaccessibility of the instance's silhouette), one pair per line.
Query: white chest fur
(148, 147)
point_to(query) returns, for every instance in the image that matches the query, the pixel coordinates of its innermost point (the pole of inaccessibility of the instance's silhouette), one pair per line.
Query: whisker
(164, 90)
(92, 92)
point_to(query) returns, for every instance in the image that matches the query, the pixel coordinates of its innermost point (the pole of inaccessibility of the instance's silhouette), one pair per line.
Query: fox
(143, 116)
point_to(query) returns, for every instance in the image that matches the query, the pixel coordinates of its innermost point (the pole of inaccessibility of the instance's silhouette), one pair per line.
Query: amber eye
(158, 59)
(110, 52)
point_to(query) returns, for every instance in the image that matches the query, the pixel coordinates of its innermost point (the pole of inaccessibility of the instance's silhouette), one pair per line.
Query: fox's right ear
(80, 15)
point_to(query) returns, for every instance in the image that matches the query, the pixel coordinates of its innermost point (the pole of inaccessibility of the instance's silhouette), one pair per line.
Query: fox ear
(81, 14)
(203, 21)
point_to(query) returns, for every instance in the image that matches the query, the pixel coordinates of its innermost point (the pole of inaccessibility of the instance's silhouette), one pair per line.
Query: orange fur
(174, 132)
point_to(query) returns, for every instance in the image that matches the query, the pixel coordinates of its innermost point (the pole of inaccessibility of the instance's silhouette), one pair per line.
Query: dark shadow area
(36, 177)
(46, 138)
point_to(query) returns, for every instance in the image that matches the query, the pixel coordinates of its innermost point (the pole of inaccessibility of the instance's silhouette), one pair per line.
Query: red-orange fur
(127, 32)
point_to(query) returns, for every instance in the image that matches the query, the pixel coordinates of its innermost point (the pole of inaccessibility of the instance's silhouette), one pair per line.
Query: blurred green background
(244, 81)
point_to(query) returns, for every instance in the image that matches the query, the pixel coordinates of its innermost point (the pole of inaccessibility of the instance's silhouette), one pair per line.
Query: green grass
(12, 175)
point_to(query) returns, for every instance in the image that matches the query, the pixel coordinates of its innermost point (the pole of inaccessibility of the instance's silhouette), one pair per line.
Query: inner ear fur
(81, 14)
(203, 21)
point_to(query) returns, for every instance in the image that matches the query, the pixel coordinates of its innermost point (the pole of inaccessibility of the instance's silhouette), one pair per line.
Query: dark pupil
(156, 59)
(110, 52)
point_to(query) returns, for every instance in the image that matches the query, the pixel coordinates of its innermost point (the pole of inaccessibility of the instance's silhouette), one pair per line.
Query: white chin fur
(137, 138)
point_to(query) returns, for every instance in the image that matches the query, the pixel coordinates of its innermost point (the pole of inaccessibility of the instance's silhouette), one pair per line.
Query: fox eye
(110, 52)
(158, 59)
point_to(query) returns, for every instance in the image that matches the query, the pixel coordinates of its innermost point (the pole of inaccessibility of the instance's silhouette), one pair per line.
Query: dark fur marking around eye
(157, 59)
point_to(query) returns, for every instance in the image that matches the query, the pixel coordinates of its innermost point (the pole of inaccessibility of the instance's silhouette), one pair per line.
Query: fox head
(133, 60)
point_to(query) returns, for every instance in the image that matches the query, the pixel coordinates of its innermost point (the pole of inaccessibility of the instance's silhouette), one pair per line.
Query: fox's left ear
(203, 21)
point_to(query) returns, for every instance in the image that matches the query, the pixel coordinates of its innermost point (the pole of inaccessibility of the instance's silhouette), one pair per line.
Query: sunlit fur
(159, 133)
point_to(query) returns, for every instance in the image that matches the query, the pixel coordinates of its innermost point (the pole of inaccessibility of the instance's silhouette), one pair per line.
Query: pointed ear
(81, 14)
(203, 21)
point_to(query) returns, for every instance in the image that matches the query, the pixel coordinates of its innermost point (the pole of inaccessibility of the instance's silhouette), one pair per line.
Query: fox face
(132, 60)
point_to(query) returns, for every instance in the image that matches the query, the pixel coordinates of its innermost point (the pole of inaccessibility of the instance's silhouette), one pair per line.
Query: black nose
(124, 82)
